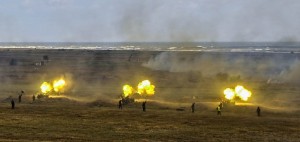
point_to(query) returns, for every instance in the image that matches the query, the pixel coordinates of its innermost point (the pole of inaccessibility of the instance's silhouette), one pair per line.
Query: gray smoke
(277, 67)
(155, 20)
(292, 73)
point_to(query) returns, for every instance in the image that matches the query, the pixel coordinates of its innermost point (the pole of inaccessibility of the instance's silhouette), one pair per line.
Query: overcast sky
(149, 20)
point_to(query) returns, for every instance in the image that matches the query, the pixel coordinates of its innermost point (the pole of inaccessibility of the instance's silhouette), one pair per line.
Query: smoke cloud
(155, 20)
(292, 72)
(247, 65)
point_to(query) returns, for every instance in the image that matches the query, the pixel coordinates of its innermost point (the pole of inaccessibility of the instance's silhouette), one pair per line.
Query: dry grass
(101, 74)
(80, 122)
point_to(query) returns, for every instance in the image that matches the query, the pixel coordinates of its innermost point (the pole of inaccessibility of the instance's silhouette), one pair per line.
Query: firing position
(12, 104)
(258, 111)
(144, 106)
(193, 107)
(120, 104)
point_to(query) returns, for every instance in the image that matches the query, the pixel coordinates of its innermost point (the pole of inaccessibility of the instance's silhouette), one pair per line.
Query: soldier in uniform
(193, 107)
(258, 111)
(219, 110)
(12, 104)
(33, 98)
(20, 96)
(144, 106)
(120, 104)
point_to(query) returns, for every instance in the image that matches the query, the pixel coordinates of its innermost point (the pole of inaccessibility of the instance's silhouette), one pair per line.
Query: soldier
(33, 98)
(258, 111)
(120, 104)
(193, 107)
(12, 104)
(219, 110)
(221, 104)
(20, 96)
(144, 106)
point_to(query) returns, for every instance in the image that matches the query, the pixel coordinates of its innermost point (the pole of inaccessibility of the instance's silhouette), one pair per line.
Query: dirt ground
(61, 121)
(95, 79)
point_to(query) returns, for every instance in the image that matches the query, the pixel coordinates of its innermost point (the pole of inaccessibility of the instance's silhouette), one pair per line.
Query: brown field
(79, 122)
(95, 80)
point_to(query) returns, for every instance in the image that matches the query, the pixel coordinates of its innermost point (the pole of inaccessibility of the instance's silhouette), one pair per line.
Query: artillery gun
(127, 100)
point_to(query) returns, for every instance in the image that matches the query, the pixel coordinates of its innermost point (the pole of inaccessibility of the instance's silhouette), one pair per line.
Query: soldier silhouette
(144, 106)
(20, 96)
(219, 110)
(193, 107)
(258, 111)
(33, 98)
(12, 104)
(120, 104)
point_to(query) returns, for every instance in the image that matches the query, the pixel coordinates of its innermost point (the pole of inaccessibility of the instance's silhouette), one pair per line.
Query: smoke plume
(254, 65)
(155, 20)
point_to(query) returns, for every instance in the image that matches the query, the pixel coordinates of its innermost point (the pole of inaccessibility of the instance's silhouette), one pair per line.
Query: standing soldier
(12, 104)
(221, 104)
(120, 104)
(193, 107)
(20, 96)
(144, 106)
(258, 111)
(33, 98)
(219, 110)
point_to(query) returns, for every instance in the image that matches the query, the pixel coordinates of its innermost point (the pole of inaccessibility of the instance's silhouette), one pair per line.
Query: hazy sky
(149, 20)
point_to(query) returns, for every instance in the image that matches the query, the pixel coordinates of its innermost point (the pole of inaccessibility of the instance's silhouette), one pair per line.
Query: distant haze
(282, 67)
(149, 20)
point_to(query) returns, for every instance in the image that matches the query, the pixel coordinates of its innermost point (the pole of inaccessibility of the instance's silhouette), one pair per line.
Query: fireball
(145, 88)
(229, 93)
(127, 90)
(58, 85)
(239, 92)
(46, 87)
(242, 93)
